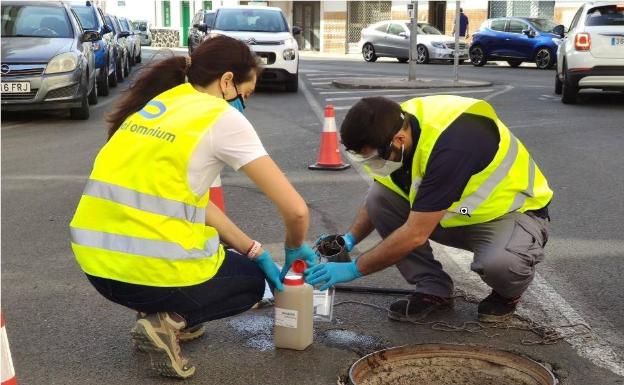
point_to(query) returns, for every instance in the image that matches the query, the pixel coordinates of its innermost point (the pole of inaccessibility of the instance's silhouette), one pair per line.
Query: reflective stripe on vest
(511, 182)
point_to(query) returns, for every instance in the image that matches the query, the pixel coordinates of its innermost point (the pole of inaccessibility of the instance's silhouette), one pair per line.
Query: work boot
(496, 308)
(158, 335)
(417, 306)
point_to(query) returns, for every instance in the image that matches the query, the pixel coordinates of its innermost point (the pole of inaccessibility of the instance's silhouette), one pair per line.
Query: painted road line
(354, 91)
(320, 83)
(410, 94)
(506, 89)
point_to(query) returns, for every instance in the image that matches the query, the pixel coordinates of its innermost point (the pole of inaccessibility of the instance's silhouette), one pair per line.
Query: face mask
(236, 102)
(388, 166)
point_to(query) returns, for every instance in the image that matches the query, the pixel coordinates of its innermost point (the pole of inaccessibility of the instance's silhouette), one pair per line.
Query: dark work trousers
(237, 286)
(505, 249)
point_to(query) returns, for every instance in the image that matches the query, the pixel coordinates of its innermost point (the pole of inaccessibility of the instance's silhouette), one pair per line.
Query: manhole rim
(455, 350)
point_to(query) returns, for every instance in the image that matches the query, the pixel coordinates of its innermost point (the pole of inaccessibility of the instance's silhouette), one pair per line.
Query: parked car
(47, 59)
(203, 21)
(516, 40)
(142, 28)
(134, 40)
(592, 53)
(120, 39)
(91, 18)
(391, 38)
(266, 31)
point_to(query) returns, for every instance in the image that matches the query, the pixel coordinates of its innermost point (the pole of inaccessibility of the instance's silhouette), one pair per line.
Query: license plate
(15, 87)
(264, 60)
(615, 41)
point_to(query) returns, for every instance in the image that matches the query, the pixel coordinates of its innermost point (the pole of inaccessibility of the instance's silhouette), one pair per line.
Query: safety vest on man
(511, 182)
(138, 221)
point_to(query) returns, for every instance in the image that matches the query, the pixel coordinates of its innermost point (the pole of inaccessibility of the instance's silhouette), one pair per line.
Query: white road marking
(506, 89)
(358, 91)
(320, 83)
(415, 94)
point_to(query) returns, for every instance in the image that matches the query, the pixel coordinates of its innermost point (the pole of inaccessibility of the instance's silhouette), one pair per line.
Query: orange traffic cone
(329, 155)
(216, 194)
(8, 372)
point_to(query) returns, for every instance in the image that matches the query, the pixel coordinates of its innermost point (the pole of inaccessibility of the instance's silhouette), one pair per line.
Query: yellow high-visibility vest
(138, 221)
(511, 182)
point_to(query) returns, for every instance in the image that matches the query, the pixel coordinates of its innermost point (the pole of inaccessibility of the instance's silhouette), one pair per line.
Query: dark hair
(461, 10)
(209, 61)
(371, 122)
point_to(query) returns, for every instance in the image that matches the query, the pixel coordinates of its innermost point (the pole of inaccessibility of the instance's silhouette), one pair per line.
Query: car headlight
(288, 41)
(289, 54)
(65, 62)
(438, 44)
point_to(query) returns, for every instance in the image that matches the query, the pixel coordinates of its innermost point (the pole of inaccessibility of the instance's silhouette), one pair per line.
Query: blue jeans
(237, 286)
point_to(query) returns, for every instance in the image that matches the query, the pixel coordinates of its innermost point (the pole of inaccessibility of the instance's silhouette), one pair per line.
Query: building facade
(334, 26)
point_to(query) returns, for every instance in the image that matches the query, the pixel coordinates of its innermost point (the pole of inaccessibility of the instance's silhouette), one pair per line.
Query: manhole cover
(433, 364)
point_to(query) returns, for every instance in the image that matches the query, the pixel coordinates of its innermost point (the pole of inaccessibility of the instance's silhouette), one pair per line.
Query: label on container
(286, 317)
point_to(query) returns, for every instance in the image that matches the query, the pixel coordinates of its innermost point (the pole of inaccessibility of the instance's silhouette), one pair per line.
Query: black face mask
(237, 102)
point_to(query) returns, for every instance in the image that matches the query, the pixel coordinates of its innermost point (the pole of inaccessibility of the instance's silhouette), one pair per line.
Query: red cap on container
(299, 266)
(294, 280)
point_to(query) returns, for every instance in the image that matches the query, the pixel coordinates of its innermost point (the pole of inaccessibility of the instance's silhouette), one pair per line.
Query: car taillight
(582, 42)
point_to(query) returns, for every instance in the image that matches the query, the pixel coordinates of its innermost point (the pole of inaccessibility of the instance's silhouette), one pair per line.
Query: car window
(605, 15)
(250, 20)
(428, 29)
(86, 16)
(35, 21)
(124, 25)
(209, 19)
(197, 18)
(498, 25)
(576, 19)
(382, 28)
(516, 26)
(395, 29)
(544, 25)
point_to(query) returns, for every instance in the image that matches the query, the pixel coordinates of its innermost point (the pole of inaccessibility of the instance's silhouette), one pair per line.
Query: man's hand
(332, 273)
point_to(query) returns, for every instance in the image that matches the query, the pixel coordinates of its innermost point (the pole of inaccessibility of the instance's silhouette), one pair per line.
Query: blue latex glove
(266, 264)
(303, 252)
(332, 273)
(348, 238)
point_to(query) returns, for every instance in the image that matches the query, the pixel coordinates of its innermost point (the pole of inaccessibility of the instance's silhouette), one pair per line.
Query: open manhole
(440, 364)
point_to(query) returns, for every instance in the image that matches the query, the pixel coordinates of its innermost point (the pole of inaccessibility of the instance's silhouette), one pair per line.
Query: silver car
(391, 38)
(47, 59)
(134, 40)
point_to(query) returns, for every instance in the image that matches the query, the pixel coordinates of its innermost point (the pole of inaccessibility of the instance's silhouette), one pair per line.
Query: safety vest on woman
(138, 221)
(511, 182)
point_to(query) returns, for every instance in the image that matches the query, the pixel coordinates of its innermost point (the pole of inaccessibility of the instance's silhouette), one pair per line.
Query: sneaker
(496, 308)
(157, 334)
(417, 306)
(194, 332)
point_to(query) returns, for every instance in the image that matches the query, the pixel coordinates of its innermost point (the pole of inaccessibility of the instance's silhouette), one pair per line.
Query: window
(207, 5)
(427, 29)
(605, 15)
(25, 20)
(576, 18)
(86, 16)
(517, 26)
(543, 25)
(498, 25)
(252, 20)
(124, 25)
(166, 13)
(209, 19)
(382, 28)
(395, 29)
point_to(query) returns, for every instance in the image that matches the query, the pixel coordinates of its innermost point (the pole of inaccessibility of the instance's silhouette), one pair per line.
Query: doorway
(307, 16)
(437, 15)
(186, 21)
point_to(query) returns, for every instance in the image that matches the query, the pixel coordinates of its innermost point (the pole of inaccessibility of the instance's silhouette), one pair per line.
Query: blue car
(92, 19)
(516, 40)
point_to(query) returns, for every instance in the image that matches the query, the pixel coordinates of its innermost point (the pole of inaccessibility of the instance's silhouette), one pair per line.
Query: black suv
(203, 21)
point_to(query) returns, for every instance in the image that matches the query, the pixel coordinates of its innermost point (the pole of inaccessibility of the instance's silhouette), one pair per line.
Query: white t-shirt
(232, 141)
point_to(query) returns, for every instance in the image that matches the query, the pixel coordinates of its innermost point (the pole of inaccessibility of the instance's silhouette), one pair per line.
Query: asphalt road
(62, 332)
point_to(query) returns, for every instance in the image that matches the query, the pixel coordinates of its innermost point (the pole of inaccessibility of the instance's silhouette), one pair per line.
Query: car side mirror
(529, 32)
(202, 27)
(143, 28)
(91, 36)
(123, 34)
(559, 30)
(296, 30)
(403, 35)
(106, 29)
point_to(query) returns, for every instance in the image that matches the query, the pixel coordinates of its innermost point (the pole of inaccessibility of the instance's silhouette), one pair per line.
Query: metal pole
(456, 53)
(413, 41)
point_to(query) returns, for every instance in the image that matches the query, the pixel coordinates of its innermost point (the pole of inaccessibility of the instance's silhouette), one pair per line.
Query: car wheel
(130, 59)
(93, 95)
(293, 84)
(368, 52)
(403, 59)
(477, 56)
(120, 70)
(103, 87)
(82, 112)
(139, 58)
(558, 85)
(422, 55)
(514, 63)
(544, 59)
(127, 68)
(112, 78)
(568, 91)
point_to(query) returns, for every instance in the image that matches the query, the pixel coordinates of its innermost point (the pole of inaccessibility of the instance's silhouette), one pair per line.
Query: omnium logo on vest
(153, 109)
(129, 125)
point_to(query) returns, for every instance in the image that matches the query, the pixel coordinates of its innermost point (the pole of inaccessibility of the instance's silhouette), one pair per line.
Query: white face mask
(388, 166)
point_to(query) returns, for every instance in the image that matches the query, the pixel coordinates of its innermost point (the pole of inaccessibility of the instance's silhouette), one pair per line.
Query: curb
(403, 83)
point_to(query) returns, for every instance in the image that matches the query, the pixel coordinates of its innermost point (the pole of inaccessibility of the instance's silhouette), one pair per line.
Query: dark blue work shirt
(463, 24)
